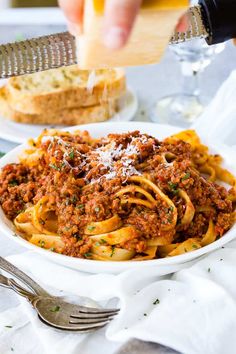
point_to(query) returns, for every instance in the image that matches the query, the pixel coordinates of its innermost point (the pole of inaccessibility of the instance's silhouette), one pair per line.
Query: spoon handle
(11, 284)
(13, 270)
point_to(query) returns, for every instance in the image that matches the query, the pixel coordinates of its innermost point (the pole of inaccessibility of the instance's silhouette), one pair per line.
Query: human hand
(119, 19)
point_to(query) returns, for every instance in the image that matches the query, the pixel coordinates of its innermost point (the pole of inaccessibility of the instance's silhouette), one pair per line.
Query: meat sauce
(81, 177)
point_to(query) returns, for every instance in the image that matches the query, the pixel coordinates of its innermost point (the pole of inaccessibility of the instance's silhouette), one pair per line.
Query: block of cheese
(149, 39)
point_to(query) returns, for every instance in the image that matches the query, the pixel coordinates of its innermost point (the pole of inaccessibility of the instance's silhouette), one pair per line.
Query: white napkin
(194, 310)
(218, 121)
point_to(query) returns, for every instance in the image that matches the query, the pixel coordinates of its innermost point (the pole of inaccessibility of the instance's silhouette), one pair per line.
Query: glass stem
(190, 81)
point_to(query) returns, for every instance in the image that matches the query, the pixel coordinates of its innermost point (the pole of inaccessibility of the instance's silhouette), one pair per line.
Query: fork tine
(81, 327)
(88, 326)
(84, 309)
(76, 327)
(88, 320)
(93, 315)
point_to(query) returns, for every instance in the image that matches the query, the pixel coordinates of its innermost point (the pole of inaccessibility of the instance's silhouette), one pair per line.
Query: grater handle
(219, 17)
(197, 28)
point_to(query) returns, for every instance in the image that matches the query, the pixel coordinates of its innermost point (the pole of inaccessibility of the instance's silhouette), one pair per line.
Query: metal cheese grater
(59, 50)
(197, 28)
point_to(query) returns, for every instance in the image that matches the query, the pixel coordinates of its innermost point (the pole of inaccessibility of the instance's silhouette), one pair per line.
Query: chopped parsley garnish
(171, 208)
(91, 228)
(72, 155)
(55, 167)
(97, 209)
(103, 241)
(88, 254)
(8, 326)
(169, 219)
(173, 187)
(74, 199)
(41, 243)
(13, 183)
(112, 250)
(2, 154)
(157, 301)
(194, 246)
(187, 176)
(71, 200)
(81, 206)
(97, 244)
(55, 309)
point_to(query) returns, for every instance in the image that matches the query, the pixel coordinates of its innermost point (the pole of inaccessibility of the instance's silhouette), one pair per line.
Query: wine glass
(183, 108)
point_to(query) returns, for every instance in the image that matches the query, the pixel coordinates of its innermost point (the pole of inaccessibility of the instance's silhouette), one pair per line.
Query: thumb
(183, 24)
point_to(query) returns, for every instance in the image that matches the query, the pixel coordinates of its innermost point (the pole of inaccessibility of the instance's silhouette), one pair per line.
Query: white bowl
(163, 265)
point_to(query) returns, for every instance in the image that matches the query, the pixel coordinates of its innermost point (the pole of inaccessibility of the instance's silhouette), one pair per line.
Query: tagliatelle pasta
(122, 197)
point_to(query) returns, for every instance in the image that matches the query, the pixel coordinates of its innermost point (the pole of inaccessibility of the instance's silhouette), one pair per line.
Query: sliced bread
(64, 88)
(67, 116)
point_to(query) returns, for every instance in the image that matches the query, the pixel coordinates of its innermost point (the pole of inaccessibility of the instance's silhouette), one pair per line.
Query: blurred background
(192, 68)
(27, 3)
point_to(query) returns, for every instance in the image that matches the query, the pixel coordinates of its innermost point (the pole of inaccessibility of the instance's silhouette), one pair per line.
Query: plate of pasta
(113, 196)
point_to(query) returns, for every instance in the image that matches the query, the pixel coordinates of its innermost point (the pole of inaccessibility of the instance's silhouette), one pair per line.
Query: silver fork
(54, 311)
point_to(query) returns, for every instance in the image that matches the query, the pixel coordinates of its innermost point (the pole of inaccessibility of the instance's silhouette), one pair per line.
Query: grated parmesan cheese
(109, 154)
(113, 161)
(92, 79)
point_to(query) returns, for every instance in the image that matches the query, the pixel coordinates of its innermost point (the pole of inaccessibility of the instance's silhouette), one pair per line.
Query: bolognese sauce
(121, 197)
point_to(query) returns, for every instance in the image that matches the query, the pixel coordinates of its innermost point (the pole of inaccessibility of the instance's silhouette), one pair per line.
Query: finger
(119, 20)
(183, 24)
(73, 10)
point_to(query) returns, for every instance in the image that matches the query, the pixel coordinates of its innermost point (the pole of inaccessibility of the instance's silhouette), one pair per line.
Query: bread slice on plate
(65, 88)
(67, 116)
